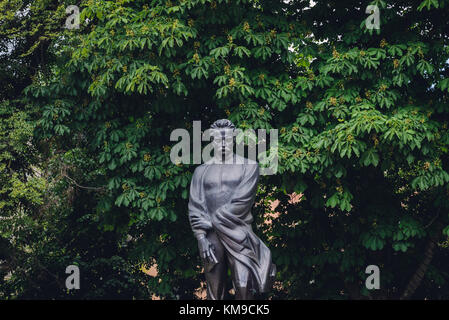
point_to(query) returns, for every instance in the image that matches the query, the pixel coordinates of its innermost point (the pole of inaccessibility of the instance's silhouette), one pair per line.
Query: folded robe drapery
(232, 220)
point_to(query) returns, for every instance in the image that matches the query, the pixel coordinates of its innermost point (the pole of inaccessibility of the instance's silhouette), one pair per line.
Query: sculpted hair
(222, 123)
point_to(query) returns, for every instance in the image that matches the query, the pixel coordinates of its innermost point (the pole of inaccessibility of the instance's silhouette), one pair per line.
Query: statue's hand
(207, 250)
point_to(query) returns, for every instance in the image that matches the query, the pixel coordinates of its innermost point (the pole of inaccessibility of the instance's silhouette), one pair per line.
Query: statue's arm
(198, 215)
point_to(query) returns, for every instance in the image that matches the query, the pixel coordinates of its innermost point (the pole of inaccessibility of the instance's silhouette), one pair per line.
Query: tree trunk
(418, 276)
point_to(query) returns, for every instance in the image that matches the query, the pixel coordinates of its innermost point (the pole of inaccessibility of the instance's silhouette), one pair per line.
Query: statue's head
(222, 123)
(223, 133)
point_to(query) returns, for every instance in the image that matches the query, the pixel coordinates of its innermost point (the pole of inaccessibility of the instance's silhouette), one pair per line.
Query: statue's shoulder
(199, 170)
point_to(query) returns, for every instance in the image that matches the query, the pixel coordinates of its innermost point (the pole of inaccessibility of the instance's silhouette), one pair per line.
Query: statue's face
(223, 140)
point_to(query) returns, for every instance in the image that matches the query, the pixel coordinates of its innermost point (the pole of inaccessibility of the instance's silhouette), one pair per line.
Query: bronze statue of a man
(222, 193)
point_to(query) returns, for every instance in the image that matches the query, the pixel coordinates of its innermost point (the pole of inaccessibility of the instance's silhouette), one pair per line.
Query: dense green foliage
(45, 223)
(362, 118)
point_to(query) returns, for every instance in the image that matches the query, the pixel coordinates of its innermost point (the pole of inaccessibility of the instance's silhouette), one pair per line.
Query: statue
(222, 192)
